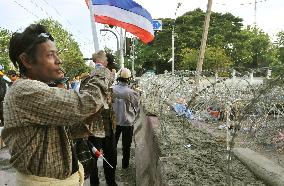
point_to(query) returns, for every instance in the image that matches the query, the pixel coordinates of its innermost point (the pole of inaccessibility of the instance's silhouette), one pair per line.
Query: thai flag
(126, 14)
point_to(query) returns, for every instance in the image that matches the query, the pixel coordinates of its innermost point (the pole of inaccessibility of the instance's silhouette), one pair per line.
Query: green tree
(5, 36)
(215, 59)
(238, 47)
(280, 38)
(280, 45)
(70, 54)
(278, 54)
(223, 31)
(253, 49)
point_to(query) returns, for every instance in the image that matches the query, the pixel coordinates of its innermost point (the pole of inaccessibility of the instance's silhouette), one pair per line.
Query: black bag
(84, 155)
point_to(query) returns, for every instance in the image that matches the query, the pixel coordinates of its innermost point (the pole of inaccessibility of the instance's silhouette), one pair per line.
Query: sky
(74, 16)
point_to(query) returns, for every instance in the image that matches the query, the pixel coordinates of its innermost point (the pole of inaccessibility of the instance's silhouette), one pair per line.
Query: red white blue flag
(126, 14)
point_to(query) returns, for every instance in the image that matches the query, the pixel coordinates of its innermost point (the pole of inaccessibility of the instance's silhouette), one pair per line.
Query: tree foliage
(280, 45)
(277, 65)
(70, 54)
(5, 36)
(253, 49)
(215, 58)
(228, 44)
(280, 38)
(188, 33)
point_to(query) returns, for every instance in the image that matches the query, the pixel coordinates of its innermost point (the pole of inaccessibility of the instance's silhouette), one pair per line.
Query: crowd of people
(6, 80)
(48, 119)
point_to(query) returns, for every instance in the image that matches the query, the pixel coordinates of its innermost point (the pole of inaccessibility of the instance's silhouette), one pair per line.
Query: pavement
(7, 173)
(120, 173)
(124, 177)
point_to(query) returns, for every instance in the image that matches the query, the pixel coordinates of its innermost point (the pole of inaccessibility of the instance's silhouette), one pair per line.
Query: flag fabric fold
(126, 14)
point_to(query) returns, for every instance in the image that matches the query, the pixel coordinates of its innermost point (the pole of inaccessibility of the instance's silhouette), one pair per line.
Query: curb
(265, 169)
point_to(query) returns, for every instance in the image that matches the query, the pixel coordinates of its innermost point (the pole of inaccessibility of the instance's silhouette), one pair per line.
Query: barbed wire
(239, 105)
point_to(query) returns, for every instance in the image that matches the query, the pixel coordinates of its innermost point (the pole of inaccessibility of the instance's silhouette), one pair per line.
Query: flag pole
(121, 49)
(93, 25)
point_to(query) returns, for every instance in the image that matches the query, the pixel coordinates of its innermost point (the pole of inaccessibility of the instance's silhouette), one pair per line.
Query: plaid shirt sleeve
(44, 105)
(95, 124)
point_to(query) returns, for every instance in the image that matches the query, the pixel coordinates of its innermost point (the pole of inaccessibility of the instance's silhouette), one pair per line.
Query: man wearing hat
(126, 107)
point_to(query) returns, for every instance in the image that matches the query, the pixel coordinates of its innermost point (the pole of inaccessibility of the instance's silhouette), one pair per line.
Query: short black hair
(111, 64)
(27, 42)
(125, 80)
(11, 72)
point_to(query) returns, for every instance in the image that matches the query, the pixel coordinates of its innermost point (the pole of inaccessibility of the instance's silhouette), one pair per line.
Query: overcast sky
(74, 15)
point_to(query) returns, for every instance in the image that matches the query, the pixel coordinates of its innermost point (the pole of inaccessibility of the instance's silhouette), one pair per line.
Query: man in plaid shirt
(37, 116)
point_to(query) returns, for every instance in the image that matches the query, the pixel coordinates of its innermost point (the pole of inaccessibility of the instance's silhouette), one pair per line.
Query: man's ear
(25, 60)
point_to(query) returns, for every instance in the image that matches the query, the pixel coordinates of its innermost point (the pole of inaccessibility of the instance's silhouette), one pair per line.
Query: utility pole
(204, 39)
(255, 31)
(93, 25)
(173, 50)
(173, 41)
(255, 2)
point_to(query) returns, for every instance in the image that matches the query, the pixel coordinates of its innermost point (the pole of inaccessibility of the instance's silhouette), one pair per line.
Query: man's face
(46, 66)
(13, 77)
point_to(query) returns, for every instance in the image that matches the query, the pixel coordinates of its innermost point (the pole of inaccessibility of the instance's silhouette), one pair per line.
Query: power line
(255, 2)
(82, 36)
(58, 13)
(81, 40)
(27, 10)
(243, 4)
(52, 7)
(64, 18)
(39, 7)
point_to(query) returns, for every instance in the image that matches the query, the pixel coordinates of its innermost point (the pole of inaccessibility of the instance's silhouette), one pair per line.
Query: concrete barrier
(263, 168)
(1, 141)
(151, 165)
(146, 151)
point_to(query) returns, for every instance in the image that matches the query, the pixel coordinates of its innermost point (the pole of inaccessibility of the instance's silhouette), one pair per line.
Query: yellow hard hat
(124, 73)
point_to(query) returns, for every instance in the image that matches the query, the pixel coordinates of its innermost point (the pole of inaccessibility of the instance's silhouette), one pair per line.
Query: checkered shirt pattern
(101, 123)
(36, 119)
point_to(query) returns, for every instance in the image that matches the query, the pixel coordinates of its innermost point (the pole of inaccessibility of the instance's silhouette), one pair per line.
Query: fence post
(268, 75)
(234, 75)
(216, 76)
(251, 76)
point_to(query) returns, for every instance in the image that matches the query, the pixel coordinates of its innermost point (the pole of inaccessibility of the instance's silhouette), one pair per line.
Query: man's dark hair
(27, 42)
(111, 64)
(125, 80)
(11, 72)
